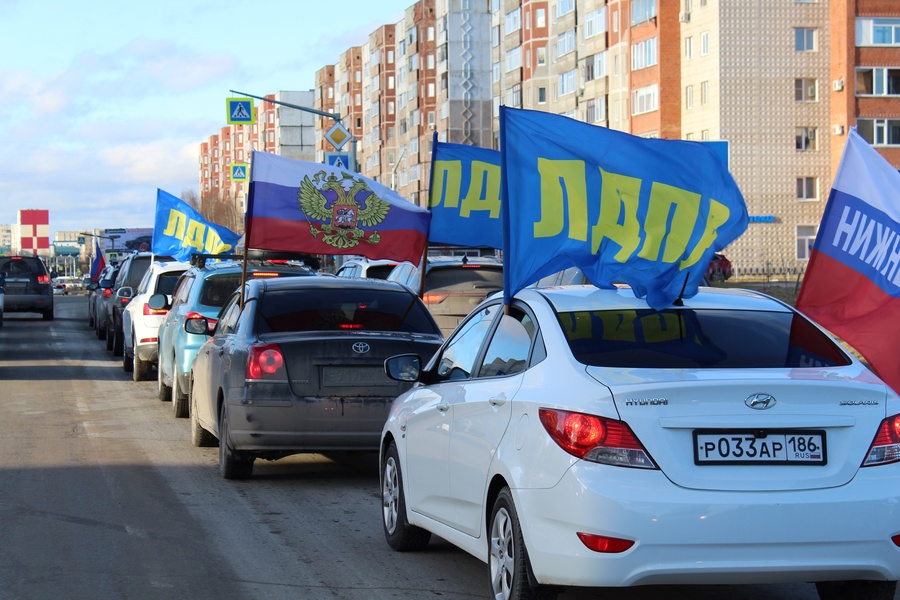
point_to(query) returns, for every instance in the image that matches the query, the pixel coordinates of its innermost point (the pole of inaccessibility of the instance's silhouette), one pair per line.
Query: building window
(615, 20)
(595, 23)
(689, 136)
(704, 93)
(642, 10)
(514, 59)
(541, 53)
(564, 7)
(645, 99)
(806, 237)
(704, 134)
(689, 97)
(565, 42)
(644, 54)
(805, 90)
(431, 89)
(704, 43)
(540, 17)
(495, 37)
(806, 188)
(688, 48)
(567, 83)
(879, 132)
(804, 39)
(877, 32)
(542, 95)
(513, 22)
(595, 110)
(805, 138)
(879, 81)
(514, 96)
(495, 71)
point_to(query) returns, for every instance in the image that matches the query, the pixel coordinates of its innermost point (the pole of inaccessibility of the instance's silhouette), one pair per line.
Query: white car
(140, 323)
(585, 439)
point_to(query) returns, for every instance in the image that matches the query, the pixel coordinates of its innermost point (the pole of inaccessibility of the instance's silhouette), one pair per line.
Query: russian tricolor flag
(98, 263)
(852, 284)
(313, 208)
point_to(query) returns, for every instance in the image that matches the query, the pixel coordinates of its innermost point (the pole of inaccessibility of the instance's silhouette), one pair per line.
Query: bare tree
(222, 210)
(190, 197)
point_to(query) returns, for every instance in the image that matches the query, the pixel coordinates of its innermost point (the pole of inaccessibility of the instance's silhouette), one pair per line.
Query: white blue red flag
(465, 196)
(313, 208)
(99, 261)
(647, 212)
(852, 283)
(179, 231)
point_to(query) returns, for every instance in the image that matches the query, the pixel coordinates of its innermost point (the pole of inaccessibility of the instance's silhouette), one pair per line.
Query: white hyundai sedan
(582, 438)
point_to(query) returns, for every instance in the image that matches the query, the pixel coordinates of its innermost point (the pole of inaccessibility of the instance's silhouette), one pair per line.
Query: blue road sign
(341, 160)
(239, 172)
(240, 111)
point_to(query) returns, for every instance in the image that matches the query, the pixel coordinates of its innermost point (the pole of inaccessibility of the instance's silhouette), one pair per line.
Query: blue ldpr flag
(465, 196)
(646, 212)
(180, 231)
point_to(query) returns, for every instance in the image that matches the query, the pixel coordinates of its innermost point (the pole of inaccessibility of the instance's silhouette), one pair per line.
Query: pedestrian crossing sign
(240, 111)
(240, 172)
(341, 160)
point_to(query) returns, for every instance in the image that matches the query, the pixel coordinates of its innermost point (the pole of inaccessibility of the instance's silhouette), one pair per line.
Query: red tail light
(433, 298)
(885, 447)
(107, 293)
(149, 312)
(210, 322)
(602, 543)
(259, 274)
(43, 279)
(596, 439)
(265, 362)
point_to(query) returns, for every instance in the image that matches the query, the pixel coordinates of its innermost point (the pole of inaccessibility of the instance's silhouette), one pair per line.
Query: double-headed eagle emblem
(337, 208)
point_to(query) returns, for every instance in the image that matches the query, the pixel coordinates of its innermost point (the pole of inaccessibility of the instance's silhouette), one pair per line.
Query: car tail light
(149, 312)
(265, 361)
(885, 447)
(896, 540)
(264, 274)
(210, 322)
(596, 439)
(433, 298)
(107, 293)
(43, 279)
(605, 544)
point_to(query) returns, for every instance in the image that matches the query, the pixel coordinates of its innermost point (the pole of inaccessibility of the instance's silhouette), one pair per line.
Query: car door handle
(497, 401)
(443, 407)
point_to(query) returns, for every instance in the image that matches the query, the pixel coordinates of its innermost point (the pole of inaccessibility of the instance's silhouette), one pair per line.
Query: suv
(201, 292)
(98, 293)
(140, 323)
(361, 267)
(131, 271)
(453, 285)
(27, 285)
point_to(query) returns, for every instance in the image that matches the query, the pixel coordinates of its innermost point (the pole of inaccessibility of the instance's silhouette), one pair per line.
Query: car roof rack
(199, 260)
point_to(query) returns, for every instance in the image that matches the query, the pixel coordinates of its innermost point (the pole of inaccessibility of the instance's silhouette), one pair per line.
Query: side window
(510, 346)
(179, 296)
(458, 357)
(228, 319)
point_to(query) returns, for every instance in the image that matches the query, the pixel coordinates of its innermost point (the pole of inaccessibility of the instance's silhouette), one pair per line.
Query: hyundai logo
(760, 401)
(361, 347)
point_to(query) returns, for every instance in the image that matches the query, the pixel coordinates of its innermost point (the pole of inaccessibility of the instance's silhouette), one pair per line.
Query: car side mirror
(404, 367)
(197, 326)
(93, 286)
(125, 293)
(106, 284)
(158, 302)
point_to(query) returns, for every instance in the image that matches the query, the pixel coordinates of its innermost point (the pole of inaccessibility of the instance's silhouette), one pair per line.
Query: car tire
(164, 392)
(232, 463)
(110, 333)
(48, 314)
(99, 329)
(507, 556)
(118, 342)
(127, 361)
(90, 319)
(400, 535)
(140, 369)
(856, 590)
(200, 437)
(179, 399)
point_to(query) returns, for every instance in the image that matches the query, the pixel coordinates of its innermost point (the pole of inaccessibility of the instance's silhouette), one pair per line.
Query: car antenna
(678, 300)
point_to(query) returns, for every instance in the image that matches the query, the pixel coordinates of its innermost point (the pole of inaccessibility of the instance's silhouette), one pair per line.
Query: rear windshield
(139, 266)
(685, 339)
(343, 310)
(217, 288)
(379, 271)
(462, 279)
(165, 282)
(18, 266)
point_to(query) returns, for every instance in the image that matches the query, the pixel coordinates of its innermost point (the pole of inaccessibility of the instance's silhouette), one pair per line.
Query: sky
(106, 101)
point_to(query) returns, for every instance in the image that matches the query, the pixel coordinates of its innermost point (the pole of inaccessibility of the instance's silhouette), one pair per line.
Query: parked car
(719, 268)
(59, 289)
(98, 292)
(585, 439)
(362, 267)
(131, 271)
(201, 292)
(299, 367)
(140, 323)
(27, 285)
(453, 285)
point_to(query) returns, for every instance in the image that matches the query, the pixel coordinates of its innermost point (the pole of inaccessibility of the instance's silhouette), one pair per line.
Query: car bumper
(27, 303)
(147, 352)
(685, 536)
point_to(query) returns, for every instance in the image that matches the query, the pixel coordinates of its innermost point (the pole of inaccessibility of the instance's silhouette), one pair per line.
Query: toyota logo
(361, 347)
(760, 401)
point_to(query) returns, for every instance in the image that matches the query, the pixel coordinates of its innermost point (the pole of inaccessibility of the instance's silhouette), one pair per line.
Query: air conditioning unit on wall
(837, 85)
(838, 130)
(685, 17)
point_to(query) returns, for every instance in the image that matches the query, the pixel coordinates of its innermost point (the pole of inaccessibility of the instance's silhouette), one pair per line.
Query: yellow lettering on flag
(176, 224)
(664, 199)
(484, 190)
(214, 243)
(562, 183)
(619, 198)
(193, 237)
(448, 181)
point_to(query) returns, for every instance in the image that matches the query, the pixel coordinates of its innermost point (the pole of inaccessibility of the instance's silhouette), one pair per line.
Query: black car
(131, 271)
(298, 366)
(27, 285)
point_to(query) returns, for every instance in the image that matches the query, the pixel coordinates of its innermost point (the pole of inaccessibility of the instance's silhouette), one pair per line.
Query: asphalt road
(102, 496)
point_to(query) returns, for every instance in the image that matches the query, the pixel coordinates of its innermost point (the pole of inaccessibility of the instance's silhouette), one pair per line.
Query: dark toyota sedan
(299, 367)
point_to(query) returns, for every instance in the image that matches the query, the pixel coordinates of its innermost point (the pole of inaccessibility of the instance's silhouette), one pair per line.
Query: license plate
(759, 447)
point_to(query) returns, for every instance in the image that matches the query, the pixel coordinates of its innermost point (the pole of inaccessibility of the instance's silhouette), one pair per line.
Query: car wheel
(118, 342)
(110, 332)
(99, 329)
(90, 319)
(127, 361)
(232, 463)
(507, 556)
(140, 369)
(856, 590)
(179, 399)
(164, 391)
(200, 437)
(48, 314)
(400, 535)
